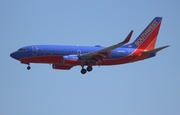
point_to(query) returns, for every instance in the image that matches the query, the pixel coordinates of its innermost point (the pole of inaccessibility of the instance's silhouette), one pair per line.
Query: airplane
(64, 57)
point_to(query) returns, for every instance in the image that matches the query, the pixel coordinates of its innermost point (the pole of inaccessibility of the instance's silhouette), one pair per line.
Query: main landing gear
(89, 68)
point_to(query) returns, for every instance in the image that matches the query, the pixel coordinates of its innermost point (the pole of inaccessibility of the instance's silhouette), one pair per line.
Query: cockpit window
(22, 50)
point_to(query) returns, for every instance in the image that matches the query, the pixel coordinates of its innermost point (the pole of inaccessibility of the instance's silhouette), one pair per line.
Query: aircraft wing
(105, 51)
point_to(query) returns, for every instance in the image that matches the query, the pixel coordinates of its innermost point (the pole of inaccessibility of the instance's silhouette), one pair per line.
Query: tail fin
(147, 39)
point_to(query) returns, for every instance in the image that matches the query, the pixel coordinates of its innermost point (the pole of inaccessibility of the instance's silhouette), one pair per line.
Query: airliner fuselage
(65, 57)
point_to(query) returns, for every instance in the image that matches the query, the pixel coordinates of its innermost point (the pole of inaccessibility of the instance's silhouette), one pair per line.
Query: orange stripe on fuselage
(152, 44)
(149, 47)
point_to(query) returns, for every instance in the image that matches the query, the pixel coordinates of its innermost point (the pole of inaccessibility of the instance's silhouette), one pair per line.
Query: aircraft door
(79, 52)
(34, 50)
(130, 54)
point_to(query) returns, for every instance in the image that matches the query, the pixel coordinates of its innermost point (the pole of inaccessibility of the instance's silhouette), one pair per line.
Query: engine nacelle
(63, 67)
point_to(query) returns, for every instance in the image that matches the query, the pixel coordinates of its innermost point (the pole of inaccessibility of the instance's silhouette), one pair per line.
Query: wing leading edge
(105, 51)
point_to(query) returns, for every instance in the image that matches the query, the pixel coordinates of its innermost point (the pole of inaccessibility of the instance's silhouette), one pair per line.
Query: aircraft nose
(14, 55)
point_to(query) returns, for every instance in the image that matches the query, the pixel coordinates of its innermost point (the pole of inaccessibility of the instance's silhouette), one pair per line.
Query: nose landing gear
(28, 67)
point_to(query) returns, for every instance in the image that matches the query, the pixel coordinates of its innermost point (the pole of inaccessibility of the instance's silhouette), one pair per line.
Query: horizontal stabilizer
(155, 50)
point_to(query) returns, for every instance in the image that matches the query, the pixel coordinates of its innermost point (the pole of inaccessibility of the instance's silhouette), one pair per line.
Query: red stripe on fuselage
(49, 60)
(42, 59)
(58, 60)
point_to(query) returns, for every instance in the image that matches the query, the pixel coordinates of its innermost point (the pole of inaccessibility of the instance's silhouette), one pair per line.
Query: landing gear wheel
(89, 68)
(83, 71)
(28, 67)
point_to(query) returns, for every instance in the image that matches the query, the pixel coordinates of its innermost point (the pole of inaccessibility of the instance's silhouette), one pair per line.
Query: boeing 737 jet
(65, 57)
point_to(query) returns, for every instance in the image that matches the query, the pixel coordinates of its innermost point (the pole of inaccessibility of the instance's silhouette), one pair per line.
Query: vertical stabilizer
(147, 39)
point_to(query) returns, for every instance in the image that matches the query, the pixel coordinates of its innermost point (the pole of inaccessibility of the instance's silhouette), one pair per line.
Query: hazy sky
(149, 87)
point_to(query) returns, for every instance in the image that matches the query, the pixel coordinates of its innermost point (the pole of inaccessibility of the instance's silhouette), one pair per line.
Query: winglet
(128, 37)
